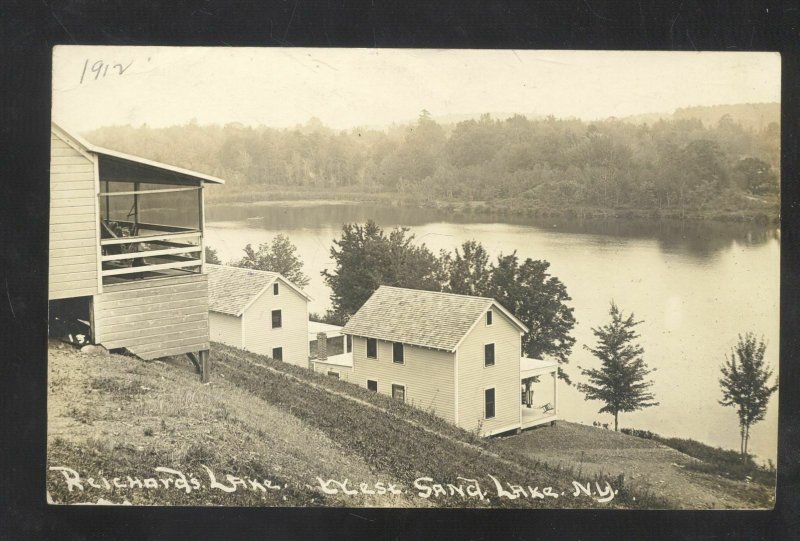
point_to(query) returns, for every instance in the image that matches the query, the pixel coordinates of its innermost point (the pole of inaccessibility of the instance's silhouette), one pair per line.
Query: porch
(539, 392)
(150, 226)
(327, 344)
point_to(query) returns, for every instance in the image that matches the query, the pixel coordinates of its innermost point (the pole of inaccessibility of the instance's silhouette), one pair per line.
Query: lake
(695, 286)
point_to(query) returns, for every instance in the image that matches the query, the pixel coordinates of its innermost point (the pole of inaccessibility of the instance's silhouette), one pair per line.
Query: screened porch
(151, 220)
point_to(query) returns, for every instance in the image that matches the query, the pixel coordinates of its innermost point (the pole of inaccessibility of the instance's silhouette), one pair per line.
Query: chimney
(322, 346)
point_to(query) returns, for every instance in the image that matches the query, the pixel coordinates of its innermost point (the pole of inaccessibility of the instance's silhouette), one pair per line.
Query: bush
(644, 434)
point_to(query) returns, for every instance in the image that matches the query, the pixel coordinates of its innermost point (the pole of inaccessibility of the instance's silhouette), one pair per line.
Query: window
(277, 354)
(372, 385)
(333, 374)
(372, 348)
(397, 353)
(276, 319)
(399, 392)
(488, 355)
(349, 341)
(488, 403)
(276, 288)
(489, 318)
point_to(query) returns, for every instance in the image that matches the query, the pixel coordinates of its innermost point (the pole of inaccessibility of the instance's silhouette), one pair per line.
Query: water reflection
(697, 239)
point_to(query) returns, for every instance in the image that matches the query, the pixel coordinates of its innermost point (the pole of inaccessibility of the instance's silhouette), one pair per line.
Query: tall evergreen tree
(620, 381)
(745, 384)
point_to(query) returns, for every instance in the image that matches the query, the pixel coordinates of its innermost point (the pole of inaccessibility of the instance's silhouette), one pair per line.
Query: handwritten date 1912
(100, 68)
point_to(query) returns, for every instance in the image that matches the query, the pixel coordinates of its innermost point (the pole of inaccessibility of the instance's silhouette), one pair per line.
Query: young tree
(212, 256)
(745, 384)
(367, 258)
(538, 300)
(278, 256)
(620, 381)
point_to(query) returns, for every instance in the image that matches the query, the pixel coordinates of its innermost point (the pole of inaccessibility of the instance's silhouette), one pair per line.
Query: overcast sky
(282, 87)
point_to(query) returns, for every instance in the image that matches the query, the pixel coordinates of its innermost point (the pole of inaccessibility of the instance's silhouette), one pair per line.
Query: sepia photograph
(413, 278)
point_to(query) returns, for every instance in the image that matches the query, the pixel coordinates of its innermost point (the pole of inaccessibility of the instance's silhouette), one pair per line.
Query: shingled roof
(232, 289)
(421, 318)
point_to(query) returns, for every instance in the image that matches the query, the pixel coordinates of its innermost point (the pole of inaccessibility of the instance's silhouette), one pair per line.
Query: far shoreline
(765, 216)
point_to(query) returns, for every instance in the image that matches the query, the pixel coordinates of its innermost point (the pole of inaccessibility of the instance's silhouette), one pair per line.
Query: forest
(707, 160)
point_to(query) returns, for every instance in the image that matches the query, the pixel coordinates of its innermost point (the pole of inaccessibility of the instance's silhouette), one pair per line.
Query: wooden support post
(202, 364)
(205, 367)
(195, 361)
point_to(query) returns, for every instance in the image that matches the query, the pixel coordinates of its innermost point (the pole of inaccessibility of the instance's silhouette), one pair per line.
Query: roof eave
(517, 323)
(90, 147)
(360, 335)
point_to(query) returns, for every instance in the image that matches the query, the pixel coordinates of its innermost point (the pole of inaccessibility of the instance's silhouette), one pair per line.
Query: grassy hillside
(276, 435)
(116, 419)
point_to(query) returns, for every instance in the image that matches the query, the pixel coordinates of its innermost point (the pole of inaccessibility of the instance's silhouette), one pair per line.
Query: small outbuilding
(258, 311)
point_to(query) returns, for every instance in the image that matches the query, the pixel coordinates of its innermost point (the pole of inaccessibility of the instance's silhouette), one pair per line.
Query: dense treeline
(562, 163)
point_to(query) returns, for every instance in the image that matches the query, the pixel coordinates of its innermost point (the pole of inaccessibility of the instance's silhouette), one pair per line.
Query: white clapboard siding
(225, 328)
(345, 373)
(427, 375)
(260, 337)
(73, 223)
(474, 377)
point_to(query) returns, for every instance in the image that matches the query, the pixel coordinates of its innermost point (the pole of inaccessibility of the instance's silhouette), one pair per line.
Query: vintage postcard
(413, 278)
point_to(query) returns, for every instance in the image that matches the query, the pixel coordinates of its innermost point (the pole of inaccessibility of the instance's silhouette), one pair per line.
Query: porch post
(136, 208)
(201, 212)
(108, 204)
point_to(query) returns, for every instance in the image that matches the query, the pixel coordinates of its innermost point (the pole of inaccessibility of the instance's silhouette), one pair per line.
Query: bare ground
(647, 466)
(111, 403)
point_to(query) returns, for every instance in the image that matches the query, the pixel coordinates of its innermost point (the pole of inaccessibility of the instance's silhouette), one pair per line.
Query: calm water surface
(695, 286)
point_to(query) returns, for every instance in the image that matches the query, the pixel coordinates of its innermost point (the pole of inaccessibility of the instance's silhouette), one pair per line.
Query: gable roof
(422, 318)
(231, 290)
(130, 159)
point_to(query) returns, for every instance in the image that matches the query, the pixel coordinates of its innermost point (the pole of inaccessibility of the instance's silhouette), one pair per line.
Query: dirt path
(646, 465)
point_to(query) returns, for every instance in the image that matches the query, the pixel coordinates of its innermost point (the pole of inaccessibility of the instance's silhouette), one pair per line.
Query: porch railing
(154, 248)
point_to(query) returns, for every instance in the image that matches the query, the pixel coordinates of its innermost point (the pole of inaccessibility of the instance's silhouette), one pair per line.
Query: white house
(259, 311)
(457, 356)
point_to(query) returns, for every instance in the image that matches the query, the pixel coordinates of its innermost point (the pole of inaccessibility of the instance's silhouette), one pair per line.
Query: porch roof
(343, 360)
(315, 327)
(118, 164)
(529, 368)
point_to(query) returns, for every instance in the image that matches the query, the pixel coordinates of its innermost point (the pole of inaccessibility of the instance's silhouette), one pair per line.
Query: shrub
(644, 434)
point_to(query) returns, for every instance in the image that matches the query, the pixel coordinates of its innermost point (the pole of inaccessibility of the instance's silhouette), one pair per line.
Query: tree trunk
(741, 440)
(616, 421)
(746, 439)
